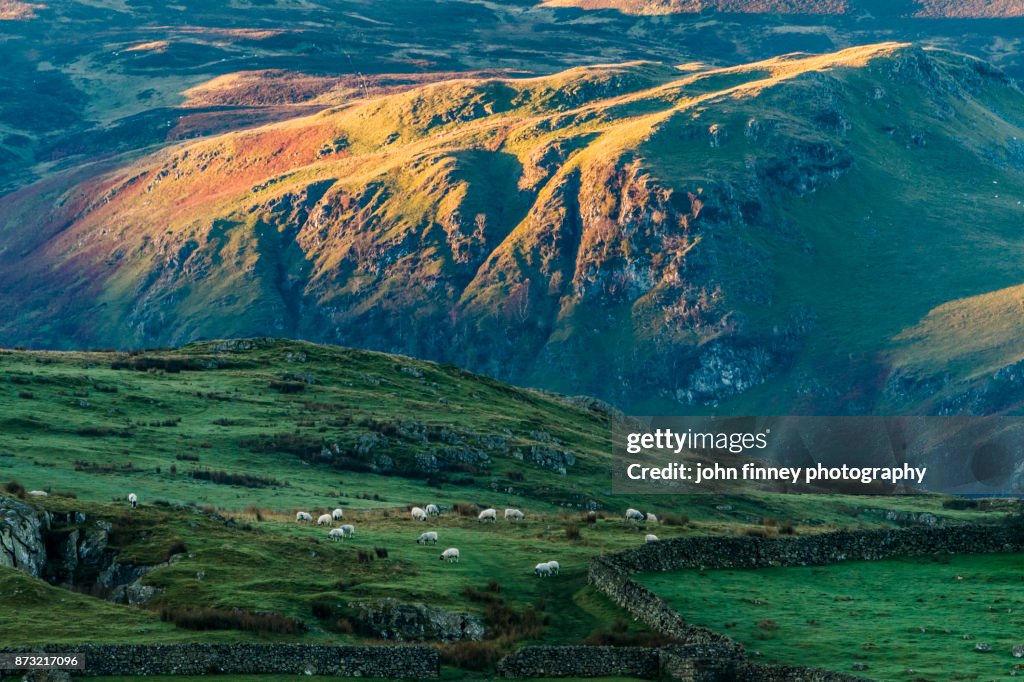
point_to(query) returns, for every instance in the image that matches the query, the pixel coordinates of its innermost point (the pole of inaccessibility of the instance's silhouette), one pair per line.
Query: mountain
(975, 9)
(133, 76)
(766, 238)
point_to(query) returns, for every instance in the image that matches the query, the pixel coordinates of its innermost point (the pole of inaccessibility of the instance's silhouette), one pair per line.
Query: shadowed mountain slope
(765, 234)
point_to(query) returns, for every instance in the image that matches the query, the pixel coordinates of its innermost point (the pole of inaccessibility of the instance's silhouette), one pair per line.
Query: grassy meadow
(905, 619)
(224, 441)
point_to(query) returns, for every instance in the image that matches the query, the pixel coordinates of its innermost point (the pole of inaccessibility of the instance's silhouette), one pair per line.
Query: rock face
(393, 620)
(69, 551)
(22, 544)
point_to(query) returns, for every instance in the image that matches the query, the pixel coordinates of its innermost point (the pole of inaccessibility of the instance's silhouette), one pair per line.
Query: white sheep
(554, 567)
(650, 518)
(429, 537)
(303, 516)
(133, 500)
(451, 555)
(348, 530)
(324, 520)
(650, 538)
(514, 515)
(542, 570)
(418, 514)
(38, 493)
(336, 534)
(634, 515)
(433, 510)
(337, 515)
(488, 515)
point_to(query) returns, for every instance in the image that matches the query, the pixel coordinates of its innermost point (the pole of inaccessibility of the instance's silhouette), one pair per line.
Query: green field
(906, 619)
(257, 414)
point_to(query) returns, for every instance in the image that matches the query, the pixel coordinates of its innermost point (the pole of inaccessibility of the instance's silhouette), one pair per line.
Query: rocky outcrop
(393, 620)
(22, 529)
(71, 551)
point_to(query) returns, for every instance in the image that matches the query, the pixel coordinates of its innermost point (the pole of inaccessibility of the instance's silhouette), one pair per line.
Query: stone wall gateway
(395, 662)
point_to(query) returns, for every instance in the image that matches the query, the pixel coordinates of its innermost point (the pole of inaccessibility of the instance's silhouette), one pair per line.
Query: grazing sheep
(451, 555)
(348, 530)
(514, 515)
(38, 493)
(650, 538)
(303, 516)
(418, 514)
(488, 515)
(324, 520)
(337, 514)
(428, 537)
(433, 510)
(634, 515)
(650, 518)
(542, 570)
(133, 500)
(554, 567)
(336, 534)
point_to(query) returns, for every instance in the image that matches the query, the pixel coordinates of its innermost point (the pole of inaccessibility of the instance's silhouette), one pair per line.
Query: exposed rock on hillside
(393, 620)
(21, 536)
(634, 232)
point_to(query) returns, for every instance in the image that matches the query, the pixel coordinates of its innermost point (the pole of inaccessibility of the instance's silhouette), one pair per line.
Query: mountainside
(977, 9)
(774, 234)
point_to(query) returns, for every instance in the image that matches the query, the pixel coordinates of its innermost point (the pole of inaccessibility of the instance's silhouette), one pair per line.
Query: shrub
(183, 457)
(15, 488)
(381, 552)
(572, 532)
(322, 609)
(787, 529)
(226, 478)
(516, 476)
(675, 519)
(755, 532)
(345, 626)
(769, 522)
(364, 557)
(465, 509)
(288, 386)
(767, 625)
(223, 619)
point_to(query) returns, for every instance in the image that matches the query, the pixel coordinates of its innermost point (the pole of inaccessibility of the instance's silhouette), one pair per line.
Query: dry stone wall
(391, 662)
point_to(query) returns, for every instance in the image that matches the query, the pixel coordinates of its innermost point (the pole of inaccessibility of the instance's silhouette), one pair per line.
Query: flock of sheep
(451, 555)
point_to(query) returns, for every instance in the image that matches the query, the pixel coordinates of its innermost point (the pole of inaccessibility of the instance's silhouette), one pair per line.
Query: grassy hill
(252, 417)
(657, 236)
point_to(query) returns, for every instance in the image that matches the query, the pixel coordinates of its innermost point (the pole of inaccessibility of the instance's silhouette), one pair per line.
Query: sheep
(487, 515)
(337, 534)
(348, 530)
(428, 537)
(542, 570)
(650, 518)
(418, 514)
(650, 538)
(303, 516)
(324, 520)
(38, 493)
(133, 500)
(634, 515)
(451, 555)
(514, 515)
(433, 510)
(554, 567)
(337, 515)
